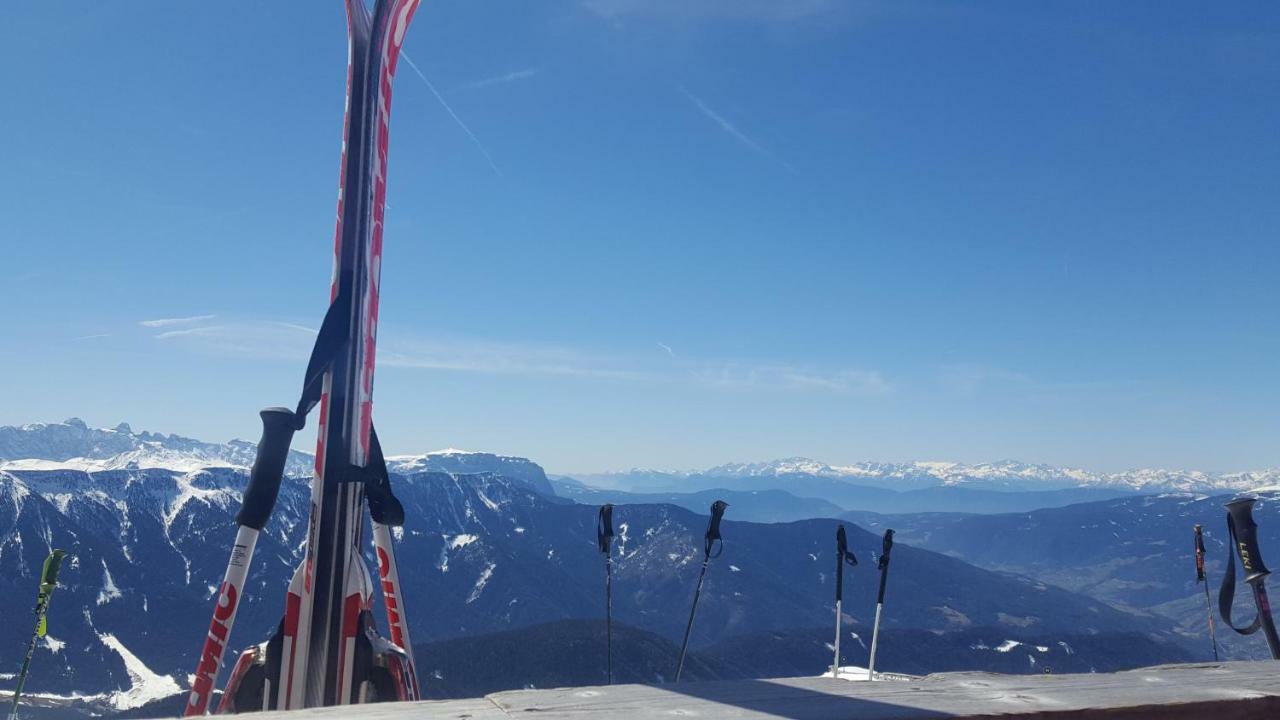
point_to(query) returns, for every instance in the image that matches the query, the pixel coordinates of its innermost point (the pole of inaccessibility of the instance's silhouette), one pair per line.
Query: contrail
(729, 128)
(452, 114)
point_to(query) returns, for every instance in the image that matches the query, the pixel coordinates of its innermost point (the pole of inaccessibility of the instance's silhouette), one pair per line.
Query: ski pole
(48, 582)
(887, 546)
(842, 556)
(604, 537)
(1202, 578)
(1244, 536)
(713, 534)
(278, 427)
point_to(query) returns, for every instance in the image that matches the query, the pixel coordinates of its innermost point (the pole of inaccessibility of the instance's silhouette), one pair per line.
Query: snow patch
(481, 582)
(461, 541)
(146, 685)
(109, 590)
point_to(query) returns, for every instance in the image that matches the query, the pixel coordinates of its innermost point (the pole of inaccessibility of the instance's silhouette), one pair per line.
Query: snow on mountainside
(1001, 475)
(73, 445)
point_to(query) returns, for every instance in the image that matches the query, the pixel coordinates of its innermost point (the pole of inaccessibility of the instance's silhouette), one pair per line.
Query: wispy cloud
(767, 376)
(95, 336)
(265, 339)
(730, 129)
(504, 359)
(255, 339)
(763, 10)
(169, 322)
(475, 140)
(513, 76)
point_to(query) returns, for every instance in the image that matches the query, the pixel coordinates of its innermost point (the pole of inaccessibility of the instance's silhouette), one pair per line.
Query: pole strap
(1227, 595)
(332, 339)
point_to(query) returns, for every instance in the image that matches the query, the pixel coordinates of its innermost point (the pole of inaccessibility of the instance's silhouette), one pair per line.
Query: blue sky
(674, 233)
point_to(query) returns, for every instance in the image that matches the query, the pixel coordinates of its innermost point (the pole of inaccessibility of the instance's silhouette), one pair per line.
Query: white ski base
(1168, 692)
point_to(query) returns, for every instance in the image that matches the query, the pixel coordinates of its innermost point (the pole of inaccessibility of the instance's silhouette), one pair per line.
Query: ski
(326, 650)
(48, 582)
(843, 555)
(604, 539)
(1201, 578)
(709, 540)
(886, 546)
(1244, 537)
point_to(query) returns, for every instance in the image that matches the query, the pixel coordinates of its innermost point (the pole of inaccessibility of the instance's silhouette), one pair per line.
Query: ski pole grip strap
(278, 426)
(329, 341)
(384, 507)
(1227, 595)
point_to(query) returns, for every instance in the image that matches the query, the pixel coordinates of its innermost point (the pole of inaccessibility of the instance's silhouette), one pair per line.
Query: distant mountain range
(72, 444)
(1132, 552)
(481, 553)
(1006, 475)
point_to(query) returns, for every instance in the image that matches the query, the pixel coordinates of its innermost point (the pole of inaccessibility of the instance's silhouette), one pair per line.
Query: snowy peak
(72, 444)
(464, 462)
(999, 475)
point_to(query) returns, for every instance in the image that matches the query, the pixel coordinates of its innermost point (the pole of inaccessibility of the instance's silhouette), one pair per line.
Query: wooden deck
(1218, 691)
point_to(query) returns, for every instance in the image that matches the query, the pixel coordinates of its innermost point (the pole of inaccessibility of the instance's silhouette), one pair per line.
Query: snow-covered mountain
(1006, 475)
(73, 445)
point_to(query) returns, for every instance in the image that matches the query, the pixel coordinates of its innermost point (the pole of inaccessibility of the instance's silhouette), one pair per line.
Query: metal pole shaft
(1213, 635)
(692, 611)
(608, 615)
(1268, 623)
(875, 638)
(41, 604)
(835, 666)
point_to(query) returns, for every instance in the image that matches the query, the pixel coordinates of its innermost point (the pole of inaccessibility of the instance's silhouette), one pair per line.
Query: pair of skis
(326, 650)
(48, 582)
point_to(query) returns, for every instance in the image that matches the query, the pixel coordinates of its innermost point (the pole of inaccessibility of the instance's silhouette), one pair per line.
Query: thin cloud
(479, 145)
(767, 376)
(168, 322)
(759, 10)
(731, 129)
(268, 339)
(504, 359)
(513, 76)
(93, 337)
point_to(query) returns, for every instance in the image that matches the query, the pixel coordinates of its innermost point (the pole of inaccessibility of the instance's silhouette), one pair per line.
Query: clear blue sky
(708, 231)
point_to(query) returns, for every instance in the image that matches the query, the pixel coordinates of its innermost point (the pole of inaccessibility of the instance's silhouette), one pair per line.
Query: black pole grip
(278, 426)
(713, 527)
(1200, 577)
(1241, 512)
(604, 528)
(842, 547)
(885, 549)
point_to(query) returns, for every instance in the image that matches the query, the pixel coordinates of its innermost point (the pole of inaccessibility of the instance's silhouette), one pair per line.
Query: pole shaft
(1213, 634)
(875, 639)
(835, 666)
(1268, 623)
(692, 611)
(608, 615)
(41, 604)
